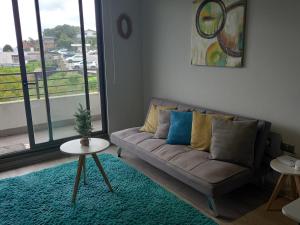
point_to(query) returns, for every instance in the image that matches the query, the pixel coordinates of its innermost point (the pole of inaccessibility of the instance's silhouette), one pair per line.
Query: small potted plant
(83, 125)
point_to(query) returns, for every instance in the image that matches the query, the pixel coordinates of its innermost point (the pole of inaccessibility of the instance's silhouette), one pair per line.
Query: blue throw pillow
(180, 128)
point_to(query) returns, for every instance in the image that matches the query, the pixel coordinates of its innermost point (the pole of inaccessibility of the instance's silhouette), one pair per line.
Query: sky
(53, 13)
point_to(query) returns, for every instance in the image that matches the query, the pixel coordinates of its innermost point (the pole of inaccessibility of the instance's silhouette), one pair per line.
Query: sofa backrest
(263, 128)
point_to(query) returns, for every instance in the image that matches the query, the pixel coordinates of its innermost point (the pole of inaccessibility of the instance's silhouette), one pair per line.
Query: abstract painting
(218, 33)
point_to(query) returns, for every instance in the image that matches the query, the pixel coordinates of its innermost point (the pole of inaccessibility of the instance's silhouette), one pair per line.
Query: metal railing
(60, 83)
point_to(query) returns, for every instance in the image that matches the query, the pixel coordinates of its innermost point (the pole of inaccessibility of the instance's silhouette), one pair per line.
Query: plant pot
(85, 141)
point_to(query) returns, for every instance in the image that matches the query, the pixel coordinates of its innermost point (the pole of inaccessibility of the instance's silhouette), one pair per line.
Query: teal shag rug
(44, 197)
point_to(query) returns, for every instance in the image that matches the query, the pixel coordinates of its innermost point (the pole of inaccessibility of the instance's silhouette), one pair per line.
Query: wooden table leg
(277, 188)
(293, 187)
(79, 169)
(102, 171)
(294, 193)
(84, 170)
(297, 181)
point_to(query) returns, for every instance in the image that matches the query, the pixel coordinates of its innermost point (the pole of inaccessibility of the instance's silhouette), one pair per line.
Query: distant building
(32, 56)
(31, 45)
(15, 59)
(90, 33)
(78, 47)
(9, 59)
(49, 43)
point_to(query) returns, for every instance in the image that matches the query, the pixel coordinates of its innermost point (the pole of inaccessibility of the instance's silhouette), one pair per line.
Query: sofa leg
(212, 206)
(119, 150)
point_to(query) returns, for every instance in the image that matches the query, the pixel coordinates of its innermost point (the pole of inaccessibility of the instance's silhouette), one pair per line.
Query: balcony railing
(59, 83)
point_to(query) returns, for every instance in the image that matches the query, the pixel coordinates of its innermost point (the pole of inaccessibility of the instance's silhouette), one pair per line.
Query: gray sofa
(211, 177)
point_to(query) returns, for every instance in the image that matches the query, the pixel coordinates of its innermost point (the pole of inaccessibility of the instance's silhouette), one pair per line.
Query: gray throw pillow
(163, 124)
(233, 141)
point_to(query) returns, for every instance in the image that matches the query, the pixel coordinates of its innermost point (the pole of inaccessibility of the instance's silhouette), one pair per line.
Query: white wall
(123, 66)
(268, 87)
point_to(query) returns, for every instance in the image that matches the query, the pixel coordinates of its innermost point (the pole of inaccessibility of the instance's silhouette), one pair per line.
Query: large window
(55, 68)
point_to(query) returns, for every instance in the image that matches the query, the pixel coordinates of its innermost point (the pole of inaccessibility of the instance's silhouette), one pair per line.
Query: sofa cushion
(180, 128)
(233, 141)
(173, 159)
(197, 163)
(202, 129)
(190, 159)
(151, 121)
(138, 137)
(151, 144)
(117, 138)
(189, 108)
(213, 171)
(125, 133)
(167, 152)
(163, 124)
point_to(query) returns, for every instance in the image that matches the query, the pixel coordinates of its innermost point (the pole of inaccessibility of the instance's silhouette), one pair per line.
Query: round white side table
(75, 148)
(285, 172)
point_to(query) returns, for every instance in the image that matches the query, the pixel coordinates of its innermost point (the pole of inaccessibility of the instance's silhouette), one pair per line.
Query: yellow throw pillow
(202, 129)
(151, 122)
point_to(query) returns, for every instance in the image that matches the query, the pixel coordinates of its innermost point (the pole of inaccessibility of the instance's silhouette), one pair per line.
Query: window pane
(92, 62)
(32, 55)
(63, 56)
(13, 126)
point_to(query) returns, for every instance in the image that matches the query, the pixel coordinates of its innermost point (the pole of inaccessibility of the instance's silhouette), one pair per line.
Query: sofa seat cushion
(194, 168)
(125, 133)
(198, 164)
(138, 137)
(190, 159)
(213, 171)
(129, 138)
(150, 145)
(167, 152)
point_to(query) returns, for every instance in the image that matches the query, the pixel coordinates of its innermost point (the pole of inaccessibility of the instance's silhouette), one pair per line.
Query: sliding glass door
(12, 111)
(61, 66)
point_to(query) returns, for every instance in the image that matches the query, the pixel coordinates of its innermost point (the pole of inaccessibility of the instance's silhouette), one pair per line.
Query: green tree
(64, 41)
(64, 35)
(7, 48)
